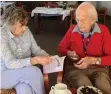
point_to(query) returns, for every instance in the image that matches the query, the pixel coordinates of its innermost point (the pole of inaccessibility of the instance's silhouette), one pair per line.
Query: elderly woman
(19, 53)
(92, 42)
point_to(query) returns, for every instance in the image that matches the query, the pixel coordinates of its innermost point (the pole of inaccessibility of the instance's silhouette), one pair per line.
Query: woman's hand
(43, 60)
(85, 62)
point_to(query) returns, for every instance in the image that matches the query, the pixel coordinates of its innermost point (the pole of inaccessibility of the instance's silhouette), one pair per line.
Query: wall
(106, 4)
(71, 2)
(74, 2)
(98, 4)
(94, 3)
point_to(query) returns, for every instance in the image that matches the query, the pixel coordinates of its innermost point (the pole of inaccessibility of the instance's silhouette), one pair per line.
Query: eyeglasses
(81, 21)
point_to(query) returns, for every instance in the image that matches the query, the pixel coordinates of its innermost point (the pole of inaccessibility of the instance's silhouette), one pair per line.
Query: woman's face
(17, 29)
(84, 22)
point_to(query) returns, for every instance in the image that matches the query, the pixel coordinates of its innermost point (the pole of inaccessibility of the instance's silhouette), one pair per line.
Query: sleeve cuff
(28, 62)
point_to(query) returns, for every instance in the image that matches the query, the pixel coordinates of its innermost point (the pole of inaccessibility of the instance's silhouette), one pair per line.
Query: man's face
(84, 22)
(18, 29)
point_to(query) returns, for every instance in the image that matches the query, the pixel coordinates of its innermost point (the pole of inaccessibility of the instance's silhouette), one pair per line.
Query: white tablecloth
(44, 10)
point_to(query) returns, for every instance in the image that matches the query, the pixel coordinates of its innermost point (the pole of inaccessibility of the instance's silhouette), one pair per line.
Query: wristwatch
(97, 62)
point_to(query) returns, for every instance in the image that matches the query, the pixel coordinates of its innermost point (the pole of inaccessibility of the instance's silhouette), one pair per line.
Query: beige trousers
(97, 77)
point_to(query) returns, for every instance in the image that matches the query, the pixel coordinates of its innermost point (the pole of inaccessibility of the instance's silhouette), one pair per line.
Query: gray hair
(13, 14)
(91, 9)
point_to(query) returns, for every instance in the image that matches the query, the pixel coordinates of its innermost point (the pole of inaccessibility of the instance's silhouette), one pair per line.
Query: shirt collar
(9, 32)
(95, 30)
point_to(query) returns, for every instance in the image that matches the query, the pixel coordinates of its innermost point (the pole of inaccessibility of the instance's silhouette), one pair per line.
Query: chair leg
(104, 19)
(8, 91)
(70, 21)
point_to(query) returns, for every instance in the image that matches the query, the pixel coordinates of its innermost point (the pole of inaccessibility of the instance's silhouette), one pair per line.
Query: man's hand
(85, 62)
(72, 53)
(43, 60)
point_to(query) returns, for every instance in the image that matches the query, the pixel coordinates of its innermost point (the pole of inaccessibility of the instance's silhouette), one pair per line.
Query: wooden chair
(25, 5)
(72, 16)
(102, 13)
(18, 4)
(29, 5)
(13, 91)
(73, 8)
(51, 4)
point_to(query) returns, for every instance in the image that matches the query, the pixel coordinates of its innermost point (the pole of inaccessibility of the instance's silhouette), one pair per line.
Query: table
(59, 12)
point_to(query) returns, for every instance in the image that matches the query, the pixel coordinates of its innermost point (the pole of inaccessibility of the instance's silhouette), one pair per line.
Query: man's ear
(92, 22)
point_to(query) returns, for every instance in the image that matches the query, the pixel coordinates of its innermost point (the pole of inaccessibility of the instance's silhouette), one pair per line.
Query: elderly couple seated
(88, 40)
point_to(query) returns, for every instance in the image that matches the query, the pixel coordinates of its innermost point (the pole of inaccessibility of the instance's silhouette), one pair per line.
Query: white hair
(91, 9)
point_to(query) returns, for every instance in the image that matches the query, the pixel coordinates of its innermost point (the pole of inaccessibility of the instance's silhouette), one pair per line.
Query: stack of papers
(55, 66)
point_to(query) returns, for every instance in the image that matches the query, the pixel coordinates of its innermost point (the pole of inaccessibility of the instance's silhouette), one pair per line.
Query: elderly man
(91, 42)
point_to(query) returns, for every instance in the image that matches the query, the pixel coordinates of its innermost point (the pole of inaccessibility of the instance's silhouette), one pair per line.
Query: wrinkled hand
(85, 62)
(72, 53)
(43, 60)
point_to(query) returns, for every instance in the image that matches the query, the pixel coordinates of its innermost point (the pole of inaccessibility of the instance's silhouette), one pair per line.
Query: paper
(55, 66)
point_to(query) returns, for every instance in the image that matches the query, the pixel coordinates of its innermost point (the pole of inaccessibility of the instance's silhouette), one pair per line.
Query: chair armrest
(46, 82)
(59, 77)
(7, 91)
(46, 79)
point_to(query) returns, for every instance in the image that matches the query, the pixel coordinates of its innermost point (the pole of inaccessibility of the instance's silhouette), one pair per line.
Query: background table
(62, 16)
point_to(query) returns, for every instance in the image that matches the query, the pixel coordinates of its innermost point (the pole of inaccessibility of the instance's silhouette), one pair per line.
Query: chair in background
(18, 4)
(29, 5)
(73, 8)
(25, 5)
(72, 16)
(46, 84)
(102, 13)
(51, 4)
